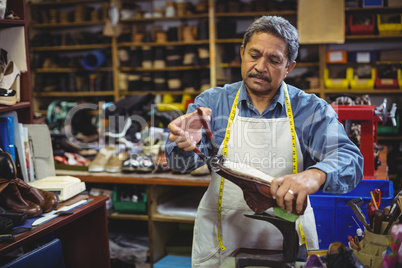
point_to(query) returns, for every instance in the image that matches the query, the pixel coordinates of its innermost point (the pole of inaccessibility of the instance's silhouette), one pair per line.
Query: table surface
(166, 178)
(52, 225)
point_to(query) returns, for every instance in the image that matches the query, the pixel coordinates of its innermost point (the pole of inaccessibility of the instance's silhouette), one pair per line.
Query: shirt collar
(279, 98)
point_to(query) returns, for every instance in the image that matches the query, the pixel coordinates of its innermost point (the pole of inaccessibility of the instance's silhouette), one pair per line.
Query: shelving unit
(24, 107)
(62, 34)
(219, 70)
(161, 228)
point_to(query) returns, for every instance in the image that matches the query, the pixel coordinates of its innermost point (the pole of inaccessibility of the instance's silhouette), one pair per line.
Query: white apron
(264, 144)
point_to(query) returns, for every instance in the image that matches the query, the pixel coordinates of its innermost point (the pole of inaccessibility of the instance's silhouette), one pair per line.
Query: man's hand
(285, 189)
(186, 129)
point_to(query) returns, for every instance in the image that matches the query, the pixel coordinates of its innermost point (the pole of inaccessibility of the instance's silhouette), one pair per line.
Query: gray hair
(279, 27)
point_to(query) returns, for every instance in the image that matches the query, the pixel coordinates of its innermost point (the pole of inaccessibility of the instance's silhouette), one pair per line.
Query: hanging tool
(355, 205)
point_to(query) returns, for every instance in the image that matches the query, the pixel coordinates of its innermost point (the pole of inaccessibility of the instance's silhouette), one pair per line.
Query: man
(293, 136)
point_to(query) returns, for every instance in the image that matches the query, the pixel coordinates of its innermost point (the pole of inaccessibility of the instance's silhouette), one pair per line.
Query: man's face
(263, 66)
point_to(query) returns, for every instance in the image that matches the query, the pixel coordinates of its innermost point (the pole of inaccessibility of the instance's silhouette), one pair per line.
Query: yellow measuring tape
(294, 150)
(225, 150)
(224, 153)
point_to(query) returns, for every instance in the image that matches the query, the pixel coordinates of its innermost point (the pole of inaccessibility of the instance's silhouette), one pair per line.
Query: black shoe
(5, 225)
(16, 217)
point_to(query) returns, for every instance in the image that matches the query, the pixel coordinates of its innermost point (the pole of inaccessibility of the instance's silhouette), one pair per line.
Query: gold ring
(290, 192)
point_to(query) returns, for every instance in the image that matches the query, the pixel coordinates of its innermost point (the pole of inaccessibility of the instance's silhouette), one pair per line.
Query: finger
(186, 142)
(288, 200)
(300, 201)
(276, 182)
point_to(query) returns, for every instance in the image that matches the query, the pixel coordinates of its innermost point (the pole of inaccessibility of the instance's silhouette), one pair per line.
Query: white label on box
(387, 81)
(363, 57)
(335, 56)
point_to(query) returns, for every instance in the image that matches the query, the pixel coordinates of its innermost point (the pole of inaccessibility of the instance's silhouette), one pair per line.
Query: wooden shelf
(20, 105)
(11, 23)
(167, 178)
(192, 16)
(364, 91)
(74, 94)
(165, 218)
(390, 138)
(156, 44)
(74, 47)
(298, 65)
(71, 70)
(379, 37)
(119, 216)
(373, 9)
(366, 63)
(255, 14)
(67, 25)
(173, 68)
(138, 93)
(63, 2)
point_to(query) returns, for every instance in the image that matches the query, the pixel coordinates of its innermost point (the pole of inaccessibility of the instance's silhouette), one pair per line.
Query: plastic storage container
(389, 24)
(338, 83)
(334, 219)
(171, 261)
(363, 56)
(129, 205)
(361, 24)
(390, 81)
(363, 83)
(337, 56)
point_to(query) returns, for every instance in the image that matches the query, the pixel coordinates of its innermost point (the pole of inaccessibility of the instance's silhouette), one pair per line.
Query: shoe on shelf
(10, 79)
(116, 162)
(146, 163)
(101, 159)
(131, 164)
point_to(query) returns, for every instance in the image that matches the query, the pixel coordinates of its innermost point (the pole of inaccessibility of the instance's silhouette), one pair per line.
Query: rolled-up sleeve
(332, 151)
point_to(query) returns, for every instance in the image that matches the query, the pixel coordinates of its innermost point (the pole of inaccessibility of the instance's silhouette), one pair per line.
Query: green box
(129, 207)
(389, 129)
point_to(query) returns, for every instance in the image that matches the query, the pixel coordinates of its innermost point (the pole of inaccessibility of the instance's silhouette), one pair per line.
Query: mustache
(259, 76)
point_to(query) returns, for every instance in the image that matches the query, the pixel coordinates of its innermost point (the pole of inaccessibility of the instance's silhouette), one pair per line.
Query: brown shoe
(46, 200)
(11, 199)
(7, 166)
(255, 184)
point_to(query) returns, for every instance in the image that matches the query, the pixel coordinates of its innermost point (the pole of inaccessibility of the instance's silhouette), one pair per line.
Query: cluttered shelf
(88, 222)
(138, 178)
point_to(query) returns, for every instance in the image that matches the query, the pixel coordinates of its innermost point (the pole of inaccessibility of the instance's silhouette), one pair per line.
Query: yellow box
(386, 26)
(363, 83)
(338, 83)
(400, 78)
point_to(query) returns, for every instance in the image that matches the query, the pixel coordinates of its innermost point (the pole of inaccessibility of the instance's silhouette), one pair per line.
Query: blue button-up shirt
(323, 140)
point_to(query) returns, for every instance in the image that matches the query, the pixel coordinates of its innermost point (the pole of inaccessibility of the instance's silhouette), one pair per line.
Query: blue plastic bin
(334, 218)
(171, 261)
